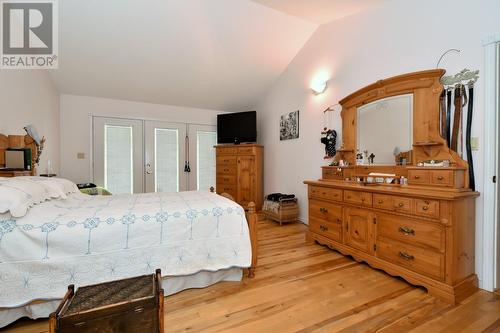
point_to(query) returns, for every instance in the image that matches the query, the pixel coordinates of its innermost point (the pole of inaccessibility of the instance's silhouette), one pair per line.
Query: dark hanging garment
(442, 104)
(448, 117)
(470, 105)
(456, 118)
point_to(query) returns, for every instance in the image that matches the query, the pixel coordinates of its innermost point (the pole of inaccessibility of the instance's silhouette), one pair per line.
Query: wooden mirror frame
(18, 141)
(426, 87)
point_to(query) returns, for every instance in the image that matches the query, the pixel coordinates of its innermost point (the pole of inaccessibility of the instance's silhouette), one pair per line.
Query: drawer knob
(381, 202)
(407, 231)
(363, 199)
(339, 221)
(406, 256)
(440, 177)
(417, 177)
(401, 204)
(323, 228)
(323, 210)
(348, 197)
(425, 208)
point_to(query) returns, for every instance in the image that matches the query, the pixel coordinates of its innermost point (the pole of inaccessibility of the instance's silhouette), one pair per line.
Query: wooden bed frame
(252, 219)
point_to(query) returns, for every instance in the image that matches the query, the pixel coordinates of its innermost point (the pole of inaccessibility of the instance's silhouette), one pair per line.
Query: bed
(197, 238)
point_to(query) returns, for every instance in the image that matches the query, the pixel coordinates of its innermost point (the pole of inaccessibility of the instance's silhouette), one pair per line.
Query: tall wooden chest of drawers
(424, 235)
(239, 172)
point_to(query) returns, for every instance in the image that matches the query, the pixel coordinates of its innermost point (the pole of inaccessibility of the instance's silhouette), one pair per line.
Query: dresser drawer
(325, 193)
(411, 231)
(226, 169)
(393, 203)
(358, 197)
(427, 208)
(417, 259)
(418, 177)
(226, 180)
(326, 211)
(331, 230)
(227, 150)
(332, 173)
(226, 160)
(231, 189)
(247, 151)
(442, 177)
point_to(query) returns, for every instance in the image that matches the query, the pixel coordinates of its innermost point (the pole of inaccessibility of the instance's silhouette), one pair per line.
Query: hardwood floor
(309, 288)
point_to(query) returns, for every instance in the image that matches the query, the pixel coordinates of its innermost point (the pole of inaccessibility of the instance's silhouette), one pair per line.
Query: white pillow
(36, 192)
(66, 185)
(13, 200)
(53, 189)
(18, 195)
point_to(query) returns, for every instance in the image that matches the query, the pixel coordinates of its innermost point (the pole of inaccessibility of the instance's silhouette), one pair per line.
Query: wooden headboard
(18, 141)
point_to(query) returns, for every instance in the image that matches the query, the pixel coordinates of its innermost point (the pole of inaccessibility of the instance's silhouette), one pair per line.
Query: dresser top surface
(406, 190)
(243, 145)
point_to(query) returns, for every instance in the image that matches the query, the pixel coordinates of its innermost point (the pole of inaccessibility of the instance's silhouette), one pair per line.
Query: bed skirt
(171, 285)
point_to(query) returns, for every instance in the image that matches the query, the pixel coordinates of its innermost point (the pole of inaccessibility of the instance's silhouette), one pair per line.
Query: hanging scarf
(470, 105)
(448, 116)
(442, 114)
(456, 118)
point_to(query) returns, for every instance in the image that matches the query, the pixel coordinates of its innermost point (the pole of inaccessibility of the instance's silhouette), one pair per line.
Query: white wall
(29, 97)
(76, 126)
(398, 37)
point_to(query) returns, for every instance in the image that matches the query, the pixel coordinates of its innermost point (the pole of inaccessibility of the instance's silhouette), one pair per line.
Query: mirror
(385, 128)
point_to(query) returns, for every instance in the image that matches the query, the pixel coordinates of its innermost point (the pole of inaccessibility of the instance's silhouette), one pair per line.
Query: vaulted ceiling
(320, 11)
(214, 54)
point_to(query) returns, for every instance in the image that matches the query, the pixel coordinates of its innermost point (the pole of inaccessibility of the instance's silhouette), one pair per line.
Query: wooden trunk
(123, 306)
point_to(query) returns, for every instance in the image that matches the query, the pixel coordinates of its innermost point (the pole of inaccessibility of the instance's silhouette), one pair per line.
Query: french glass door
(179, 156)
(165, 156)
(118, 154)
(134, 156)
(202, 139)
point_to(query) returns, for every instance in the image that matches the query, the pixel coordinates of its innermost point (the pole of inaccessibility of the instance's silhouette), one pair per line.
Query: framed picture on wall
(289, 126)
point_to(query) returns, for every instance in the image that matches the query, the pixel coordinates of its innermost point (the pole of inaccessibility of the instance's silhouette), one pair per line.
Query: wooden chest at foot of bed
(124, 306)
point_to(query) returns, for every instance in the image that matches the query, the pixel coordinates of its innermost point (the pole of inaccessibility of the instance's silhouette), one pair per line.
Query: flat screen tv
(237, 127)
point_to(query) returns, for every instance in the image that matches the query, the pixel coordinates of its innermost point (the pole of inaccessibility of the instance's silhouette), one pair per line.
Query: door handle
(148, 169)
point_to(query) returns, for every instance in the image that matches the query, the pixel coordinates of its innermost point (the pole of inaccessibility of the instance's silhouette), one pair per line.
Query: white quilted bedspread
(91, 239)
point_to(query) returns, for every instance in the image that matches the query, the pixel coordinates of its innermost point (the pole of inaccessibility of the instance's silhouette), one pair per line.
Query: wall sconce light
(319, 82)
(319, 87)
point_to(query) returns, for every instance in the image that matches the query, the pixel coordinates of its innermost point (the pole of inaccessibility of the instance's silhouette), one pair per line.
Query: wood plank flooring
(309, 288)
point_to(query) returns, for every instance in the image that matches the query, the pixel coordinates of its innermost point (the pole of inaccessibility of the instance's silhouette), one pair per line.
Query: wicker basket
(288, 211)
(125, 306)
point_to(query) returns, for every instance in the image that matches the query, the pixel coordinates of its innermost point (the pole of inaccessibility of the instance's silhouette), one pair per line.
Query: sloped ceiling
(320, 11)
(214, 54)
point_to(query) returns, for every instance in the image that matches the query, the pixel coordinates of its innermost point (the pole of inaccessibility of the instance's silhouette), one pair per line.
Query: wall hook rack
(331, 108)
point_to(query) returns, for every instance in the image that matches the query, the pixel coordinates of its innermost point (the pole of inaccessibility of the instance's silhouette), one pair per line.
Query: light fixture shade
(319, 87)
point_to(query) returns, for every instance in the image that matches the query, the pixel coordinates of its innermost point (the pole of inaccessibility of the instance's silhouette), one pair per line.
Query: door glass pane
(166, 160)
(205, 155)
(118, 152)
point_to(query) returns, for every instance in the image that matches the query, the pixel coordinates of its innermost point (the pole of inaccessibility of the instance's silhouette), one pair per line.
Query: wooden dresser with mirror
(422, 229)
(17, 141)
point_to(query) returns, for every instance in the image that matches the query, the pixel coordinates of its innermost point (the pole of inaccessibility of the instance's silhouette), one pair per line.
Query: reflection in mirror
(385, 129)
